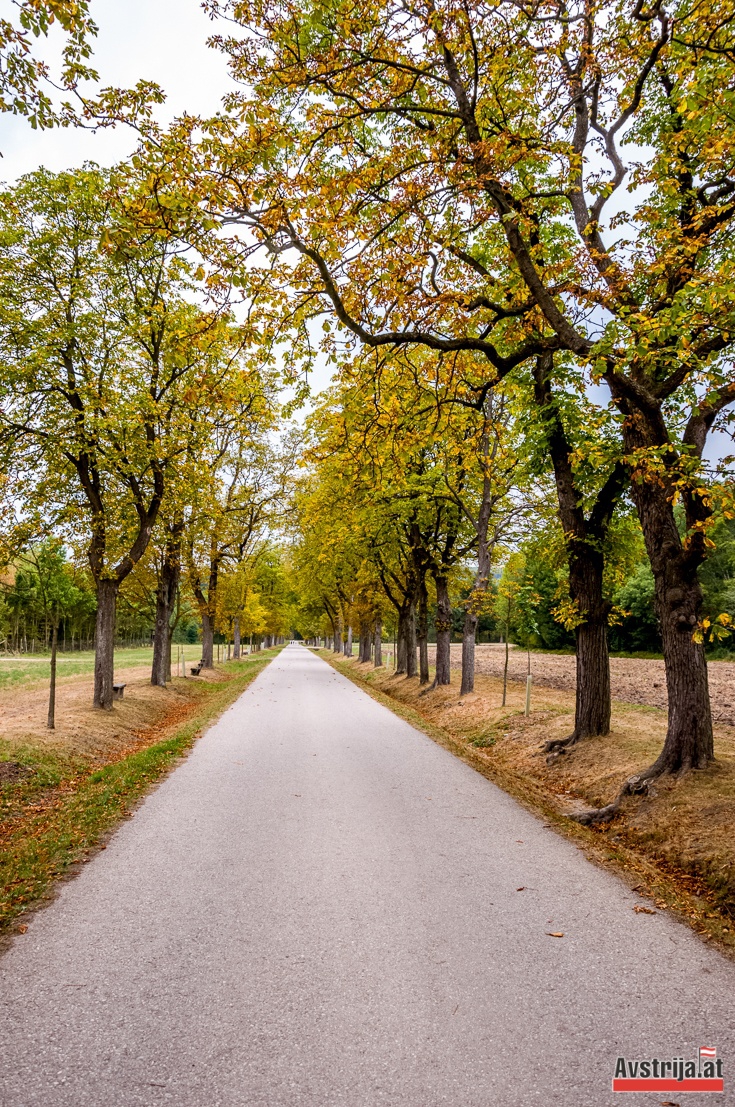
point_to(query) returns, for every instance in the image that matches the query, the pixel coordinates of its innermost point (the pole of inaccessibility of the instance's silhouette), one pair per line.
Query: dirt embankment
(632, 680)
(95, 736)
(678, 842)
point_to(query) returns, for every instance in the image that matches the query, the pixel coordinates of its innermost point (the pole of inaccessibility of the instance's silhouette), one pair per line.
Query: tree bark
(348, 642)
(402, 639)
(411, 667)
(479, 591)
(469, 635)
(443, 630)
(168, 583)
(585, 537)
(592, 707)
(689, 740)
(365, 637)
(378, 643)
(423, 634)
(104, 656)
(207, 640)
(236, 638)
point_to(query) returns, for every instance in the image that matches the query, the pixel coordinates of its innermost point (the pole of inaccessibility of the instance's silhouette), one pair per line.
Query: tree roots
(634, 786)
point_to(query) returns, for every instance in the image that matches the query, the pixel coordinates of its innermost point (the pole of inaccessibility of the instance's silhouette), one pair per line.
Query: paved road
(320, 908)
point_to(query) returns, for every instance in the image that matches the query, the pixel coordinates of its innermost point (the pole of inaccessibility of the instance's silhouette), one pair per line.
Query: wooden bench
(117, 691)
(196, 669)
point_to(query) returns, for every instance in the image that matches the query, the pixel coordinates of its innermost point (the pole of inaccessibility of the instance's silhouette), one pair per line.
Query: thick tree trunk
(378, 643)
(689, 741)
(477, 597)
(236, 638)
(365, 637)
(411, 667)
(443, 630)
(469, 635)
(207, 640)
(402, 639)
(348, 642)
(585, 537)
(592, 714)
(423, 634)
(104, 650)
(168, 584)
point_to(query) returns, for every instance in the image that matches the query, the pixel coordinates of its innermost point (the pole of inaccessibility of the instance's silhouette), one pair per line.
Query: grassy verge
(35, 669)
(675, 847)
(55, 808)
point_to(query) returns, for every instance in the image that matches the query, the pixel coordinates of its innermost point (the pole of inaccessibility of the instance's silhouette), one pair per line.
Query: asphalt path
(322, 907)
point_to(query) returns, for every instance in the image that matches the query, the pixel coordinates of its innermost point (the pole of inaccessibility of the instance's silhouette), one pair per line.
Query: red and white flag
(707, 1053)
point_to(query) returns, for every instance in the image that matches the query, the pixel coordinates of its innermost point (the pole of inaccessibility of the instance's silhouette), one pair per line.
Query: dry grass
(680, 838)
(80, 729)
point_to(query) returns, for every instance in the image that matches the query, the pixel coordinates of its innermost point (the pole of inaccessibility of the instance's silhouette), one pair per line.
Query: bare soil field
(633, 680)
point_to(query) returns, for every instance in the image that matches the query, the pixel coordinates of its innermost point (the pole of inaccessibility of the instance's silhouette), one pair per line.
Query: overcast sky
(160, 40)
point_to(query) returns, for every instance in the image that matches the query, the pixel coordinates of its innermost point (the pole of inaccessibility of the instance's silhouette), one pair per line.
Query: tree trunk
(207, 640)
(365, 636)
(443, 630)
(168, 583)
(469, 634)
(423, 634)
(104, 652)
(348, 642)
(51, 721)
(592, 712)
(476, 599)
(402, 639)
(585, 540)
(689, 741)
(378, 643)
(505, 667)
(411, 667)
(236, 637)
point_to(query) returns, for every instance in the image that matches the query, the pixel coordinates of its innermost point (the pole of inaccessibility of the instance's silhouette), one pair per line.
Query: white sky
(159, 40)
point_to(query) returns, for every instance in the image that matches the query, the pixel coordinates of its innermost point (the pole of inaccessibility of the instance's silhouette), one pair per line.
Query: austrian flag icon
(676, 1074)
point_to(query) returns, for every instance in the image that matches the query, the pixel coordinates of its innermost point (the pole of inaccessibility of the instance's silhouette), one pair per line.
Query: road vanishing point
(321, 907)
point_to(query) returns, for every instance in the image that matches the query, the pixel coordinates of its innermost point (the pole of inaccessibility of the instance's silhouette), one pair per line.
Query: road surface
(322, 907)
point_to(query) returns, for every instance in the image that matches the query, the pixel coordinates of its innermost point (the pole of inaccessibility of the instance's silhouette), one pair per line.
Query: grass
(55, 807)
(31, 669)
(676, 845)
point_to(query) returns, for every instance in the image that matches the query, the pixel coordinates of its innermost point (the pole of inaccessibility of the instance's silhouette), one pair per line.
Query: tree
(445, 175)
(22, 76)
(103, 362)
(239, 496)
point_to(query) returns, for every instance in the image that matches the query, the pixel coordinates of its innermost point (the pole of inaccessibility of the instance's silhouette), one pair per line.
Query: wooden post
(51, 722)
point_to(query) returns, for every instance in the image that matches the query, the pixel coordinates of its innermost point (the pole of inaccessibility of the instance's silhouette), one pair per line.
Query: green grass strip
(88, 806)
